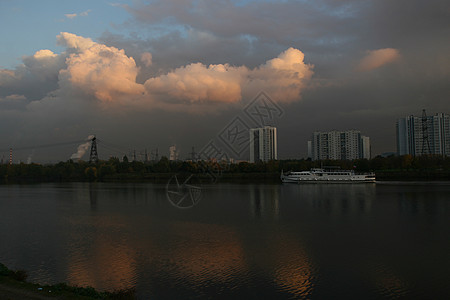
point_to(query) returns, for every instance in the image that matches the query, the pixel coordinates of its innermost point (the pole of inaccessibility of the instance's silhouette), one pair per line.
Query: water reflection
(99, 253)
(109, 265)
(388, 283)
(241, 241)
(264, 202)
(93, 192)
(206, 253)
(294, 271)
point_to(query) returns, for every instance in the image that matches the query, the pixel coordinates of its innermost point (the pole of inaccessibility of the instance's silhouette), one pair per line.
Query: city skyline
(147, 75)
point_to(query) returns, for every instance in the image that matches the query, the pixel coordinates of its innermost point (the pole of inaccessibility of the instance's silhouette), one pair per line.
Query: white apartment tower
(339, 145)
(410, 135)
(263, 144)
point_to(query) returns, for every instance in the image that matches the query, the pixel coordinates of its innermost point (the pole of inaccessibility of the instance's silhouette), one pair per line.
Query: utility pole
(155, 154)
(193, 154)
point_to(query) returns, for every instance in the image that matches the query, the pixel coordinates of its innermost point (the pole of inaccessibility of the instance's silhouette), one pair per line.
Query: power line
(111, 147)
(43, 146)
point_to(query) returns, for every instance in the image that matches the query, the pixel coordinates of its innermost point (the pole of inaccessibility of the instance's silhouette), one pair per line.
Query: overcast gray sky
(148, 74)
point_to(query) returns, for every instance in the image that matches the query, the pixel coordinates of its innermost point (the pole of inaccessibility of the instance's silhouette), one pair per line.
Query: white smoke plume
(82, 148)
(30, 157)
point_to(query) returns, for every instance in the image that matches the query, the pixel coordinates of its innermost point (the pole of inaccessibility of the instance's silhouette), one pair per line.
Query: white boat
(327, 176)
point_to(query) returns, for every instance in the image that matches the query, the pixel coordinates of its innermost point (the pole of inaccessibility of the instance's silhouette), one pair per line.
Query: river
(352, 241)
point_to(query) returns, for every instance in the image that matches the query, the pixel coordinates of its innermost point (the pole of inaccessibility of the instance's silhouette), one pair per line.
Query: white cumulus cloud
(283, 78)
(102, 71)
(198, 83)
(89, 70)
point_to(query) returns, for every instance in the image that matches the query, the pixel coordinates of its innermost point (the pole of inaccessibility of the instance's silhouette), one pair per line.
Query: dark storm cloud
(321, 29)
(37, 76)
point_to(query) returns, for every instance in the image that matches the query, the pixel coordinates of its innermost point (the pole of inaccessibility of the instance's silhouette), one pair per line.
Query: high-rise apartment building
(339, 145)
(365, 147)
(412, 140)
(263, 144)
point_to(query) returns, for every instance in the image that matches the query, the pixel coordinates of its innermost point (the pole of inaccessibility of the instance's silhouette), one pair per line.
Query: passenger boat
(327, 176)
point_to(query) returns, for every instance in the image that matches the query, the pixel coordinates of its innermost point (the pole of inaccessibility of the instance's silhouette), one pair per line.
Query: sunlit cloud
(74, 15)
(71, 16)
(100, 70)
(199, 83)
(73, 41)
(44, 53)
(107, 74)
(283, 77)
(377, 58)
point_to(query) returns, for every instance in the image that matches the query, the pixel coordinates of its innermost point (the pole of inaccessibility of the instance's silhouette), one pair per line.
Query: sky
(145, 75)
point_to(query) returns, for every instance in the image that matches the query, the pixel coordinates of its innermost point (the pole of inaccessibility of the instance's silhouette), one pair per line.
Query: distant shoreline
(392, 168)
(254, 177)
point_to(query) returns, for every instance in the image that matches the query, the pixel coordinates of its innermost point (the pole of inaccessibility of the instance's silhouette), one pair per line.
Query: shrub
(123, 294)
(19, 275)
(4, 271)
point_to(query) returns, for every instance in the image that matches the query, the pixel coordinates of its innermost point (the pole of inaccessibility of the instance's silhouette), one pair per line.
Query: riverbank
(13, 285)
(395, 168)
(413, 175)
(250, 177)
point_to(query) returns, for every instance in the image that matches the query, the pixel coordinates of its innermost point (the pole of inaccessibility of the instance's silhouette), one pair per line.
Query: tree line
(434, 167)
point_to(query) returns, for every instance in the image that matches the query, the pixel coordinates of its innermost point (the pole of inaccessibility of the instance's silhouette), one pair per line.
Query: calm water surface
(371, 241)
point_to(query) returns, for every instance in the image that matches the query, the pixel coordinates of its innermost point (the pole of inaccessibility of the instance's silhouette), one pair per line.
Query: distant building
(173, 153)
(310, 149)
(263, 144)
(412, 140)
(365, 148)
(339, 145)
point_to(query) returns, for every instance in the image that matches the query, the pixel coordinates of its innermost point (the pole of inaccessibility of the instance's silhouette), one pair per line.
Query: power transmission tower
(193, 155)
(93, 157)
(154, 154)
(425, 141)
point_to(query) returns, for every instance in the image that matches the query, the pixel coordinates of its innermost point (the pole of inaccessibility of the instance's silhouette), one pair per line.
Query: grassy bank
(13, 285)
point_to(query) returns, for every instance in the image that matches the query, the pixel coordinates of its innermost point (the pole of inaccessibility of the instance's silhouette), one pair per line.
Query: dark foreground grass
(16, 281)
